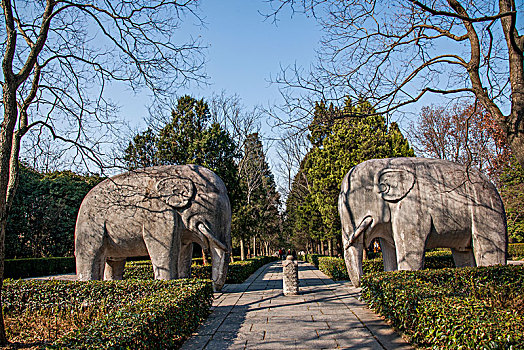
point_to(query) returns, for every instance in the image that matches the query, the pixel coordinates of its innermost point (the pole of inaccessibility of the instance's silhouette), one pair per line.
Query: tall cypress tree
(189, 138)
(258, 215)
(340, 140)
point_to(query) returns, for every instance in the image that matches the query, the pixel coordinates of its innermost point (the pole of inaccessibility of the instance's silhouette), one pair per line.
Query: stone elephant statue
(158, 211)
(414, 204)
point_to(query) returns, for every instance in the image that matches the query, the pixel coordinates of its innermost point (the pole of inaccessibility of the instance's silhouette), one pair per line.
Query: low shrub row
(311, 258)
(335, 268)
(516, 251)
(35, 267)
(105, 315)
(238, 271)
(466, 308)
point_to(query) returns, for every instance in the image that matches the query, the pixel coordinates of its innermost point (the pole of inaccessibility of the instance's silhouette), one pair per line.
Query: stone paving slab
(325, 315)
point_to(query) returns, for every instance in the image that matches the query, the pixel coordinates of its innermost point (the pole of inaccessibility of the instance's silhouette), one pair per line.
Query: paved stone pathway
(326, 315)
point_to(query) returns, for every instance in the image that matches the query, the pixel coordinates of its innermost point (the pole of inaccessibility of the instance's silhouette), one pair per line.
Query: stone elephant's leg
(90, 252)
(185, 259)
(489, 237)
(389, 255)
(409, 234)
(114, 269)
(162, 241)
(463, 258)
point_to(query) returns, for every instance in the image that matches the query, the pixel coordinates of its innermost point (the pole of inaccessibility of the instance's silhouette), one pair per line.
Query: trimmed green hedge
(133, 314)
(516, 250)
(313, 258)
(466, 308)
(335, 268)
(238, 271)
(35, 267)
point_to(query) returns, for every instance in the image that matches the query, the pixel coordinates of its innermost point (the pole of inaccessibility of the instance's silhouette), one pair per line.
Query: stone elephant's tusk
(205, 231)
(360, 229)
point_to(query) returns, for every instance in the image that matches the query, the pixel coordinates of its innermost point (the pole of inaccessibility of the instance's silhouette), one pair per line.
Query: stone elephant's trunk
(220, 254)
(353, 255)
(354, 251)
(220, 263)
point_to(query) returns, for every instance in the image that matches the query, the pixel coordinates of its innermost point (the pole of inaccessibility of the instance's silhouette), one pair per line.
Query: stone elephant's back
(127, 192)
(443, 189)
(133, 186)
(439, 175)
(455, 186)
(458, 183)
(201, 176)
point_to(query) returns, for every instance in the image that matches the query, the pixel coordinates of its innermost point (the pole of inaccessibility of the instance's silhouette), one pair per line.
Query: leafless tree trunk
(254, 246)
(242, 250)
(291, 150)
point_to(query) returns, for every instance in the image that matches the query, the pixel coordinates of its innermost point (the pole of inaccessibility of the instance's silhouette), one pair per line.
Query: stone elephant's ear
(395, 184)
(176, 191)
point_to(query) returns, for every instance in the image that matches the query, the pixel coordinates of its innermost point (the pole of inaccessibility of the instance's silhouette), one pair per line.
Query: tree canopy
(338, 144)
(464, 133)
(258, 214)
(189, 138)
(394, 53)
(42, 220)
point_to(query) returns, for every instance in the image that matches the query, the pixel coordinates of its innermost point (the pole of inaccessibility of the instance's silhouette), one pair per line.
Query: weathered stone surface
(290, 276)
(413, 204)
(157, 211)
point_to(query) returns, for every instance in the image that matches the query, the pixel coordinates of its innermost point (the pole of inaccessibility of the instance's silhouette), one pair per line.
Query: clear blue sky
(245, 50)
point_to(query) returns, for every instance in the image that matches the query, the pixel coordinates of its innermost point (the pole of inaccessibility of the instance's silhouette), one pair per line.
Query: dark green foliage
(258, 213)
(189, 138)
(512, 193)
(139, 270)
(138, 314)
(303, 220)
(142, 151)
(334, 268)
(313, 258)
(341, 138)
(466, 308)
(41, 222)
(238, 271)
(35, 267)
(516, 251)
(372, 265)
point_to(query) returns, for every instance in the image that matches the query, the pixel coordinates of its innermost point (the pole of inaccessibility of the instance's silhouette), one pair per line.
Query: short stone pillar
(290, 276)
